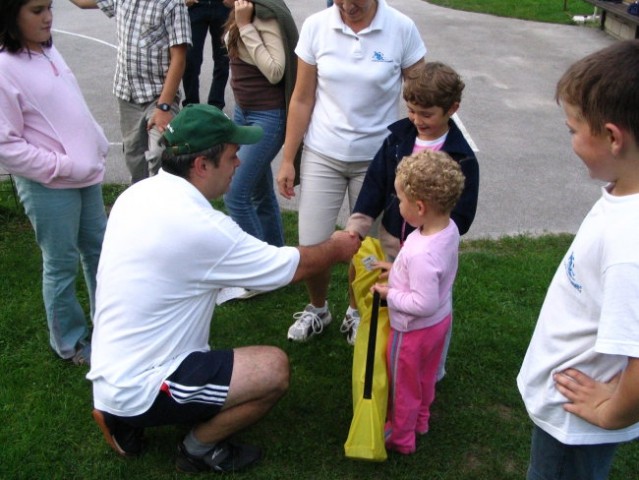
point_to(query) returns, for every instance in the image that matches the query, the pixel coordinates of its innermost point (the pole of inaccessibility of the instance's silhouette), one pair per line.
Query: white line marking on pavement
(467, 136)
(86, 37)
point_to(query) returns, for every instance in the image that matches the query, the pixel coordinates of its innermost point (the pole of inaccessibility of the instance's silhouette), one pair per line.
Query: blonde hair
(432, 177)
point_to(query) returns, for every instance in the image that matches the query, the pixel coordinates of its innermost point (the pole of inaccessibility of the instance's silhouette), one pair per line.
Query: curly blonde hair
(432, 177)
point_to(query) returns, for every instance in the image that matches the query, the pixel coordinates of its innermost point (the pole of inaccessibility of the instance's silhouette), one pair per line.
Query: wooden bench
(616, 20)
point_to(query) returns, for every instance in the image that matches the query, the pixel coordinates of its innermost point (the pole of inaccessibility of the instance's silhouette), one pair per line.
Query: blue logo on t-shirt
(570, 272)
(379, 57)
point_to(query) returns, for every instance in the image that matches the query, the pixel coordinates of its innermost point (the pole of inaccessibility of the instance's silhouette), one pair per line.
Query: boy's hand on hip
(587, 397)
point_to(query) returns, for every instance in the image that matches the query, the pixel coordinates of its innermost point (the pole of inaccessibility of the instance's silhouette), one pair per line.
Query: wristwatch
(165, 107)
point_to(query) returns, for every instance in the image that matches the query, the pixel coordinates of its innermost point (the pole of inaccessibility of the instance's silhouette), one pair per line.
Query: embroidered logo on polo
(379, 57)
(570, 272)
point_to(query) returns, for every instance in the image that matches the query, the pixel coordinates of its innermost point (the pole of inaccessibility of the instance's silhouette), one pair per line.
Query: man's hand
(346, 244)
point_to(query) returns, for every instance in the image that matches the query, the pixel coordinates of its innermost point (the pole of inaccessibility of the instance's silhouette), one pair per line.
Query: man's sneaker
(125, 440)
(349, 326)
(226, 457)
(308, 323)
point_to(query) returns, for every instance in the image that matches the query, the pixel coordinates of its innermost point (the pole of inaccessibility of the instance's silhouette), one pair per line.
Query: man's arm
(84, 3)
(160, 119)
(611, 405)
(339, 248)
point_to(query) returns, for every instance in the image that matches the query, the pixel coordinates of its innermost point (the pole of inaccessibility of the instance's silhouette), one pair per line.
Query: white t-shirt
(165, 256)
(358, 79)
(589, 320)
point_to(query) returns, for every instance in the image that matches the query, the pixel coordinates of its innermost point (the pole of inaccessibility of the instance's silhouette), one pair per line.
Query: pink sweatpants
(412, 358)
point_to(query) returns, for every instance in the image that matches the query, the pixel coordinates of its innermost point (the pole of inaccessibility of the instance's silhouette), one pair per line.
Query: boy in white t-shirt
(580, 377)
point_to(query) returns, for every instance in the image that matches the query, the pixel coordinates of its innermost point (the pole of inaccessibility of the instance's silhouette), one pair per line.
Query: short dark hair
(604, 86)
(433, 84)
(180, 165)
(10, 34)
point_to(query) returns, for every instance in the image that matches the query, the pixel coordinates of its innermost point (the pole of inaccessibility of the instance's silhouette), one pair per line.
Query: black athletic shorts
(194, 393)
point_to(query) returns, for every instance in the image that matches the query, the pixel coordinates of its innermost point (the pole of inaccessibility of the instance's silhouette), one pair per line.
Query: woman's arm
(299, 116)
(264, 44)
(84, 4)
(406, 71)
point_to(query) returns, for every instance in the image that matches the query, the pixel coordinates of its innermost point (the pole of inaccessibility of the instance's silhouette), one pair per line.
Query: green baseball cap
(199, 127)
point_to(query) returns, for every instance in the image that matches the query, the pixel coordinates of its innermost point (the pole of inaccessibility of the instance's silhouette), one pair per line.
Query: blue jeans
(69, 226)
(552, 460)
(206, 16)
(251, 200)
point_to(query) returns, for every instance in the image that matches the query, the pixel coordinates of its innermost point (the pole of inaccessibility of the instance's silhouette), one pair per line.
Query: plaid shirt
(146, 30)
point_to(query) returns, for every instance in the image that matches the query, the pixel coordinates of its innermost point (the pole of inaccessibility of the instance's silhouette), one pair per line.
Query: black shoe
(125, 440)
(226, 457)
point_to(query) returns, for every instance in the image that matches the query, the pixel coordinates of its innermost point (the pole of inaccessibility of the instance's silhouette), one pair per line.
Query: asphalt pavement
(531, 181)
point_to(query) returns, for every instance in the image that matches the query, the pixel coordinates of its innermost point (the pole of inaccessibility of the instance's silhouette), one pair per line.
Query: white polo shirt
(166, 255)
(358, 79)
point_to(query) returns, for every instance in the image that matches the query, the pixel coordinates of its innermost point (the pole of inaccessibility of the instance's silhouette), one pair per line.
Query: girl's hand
(243, 12)
(384, 267)
(382, 289)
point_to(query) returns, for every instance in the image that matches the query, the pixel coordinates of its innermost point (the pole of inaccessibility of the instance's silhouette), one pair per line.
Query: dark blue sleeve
(464, 212)
(372, 196)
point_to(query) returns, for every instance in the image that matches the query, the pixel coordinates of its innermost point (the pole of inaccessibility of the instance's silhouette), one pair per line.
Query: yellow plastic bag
(369, 380)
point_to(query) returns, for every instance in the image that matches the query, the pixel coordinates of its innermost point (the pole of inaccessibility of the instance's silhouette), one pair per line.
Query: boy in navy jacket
(433, 94)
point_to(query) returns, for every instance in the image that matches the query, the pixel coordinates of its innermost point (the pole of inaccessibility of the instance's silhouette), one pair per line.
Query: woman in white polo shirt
(351, 60)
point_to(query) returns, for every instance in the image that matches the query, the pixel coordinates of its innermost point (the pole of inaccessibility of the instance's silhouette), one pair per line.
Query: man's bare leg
(260, 378)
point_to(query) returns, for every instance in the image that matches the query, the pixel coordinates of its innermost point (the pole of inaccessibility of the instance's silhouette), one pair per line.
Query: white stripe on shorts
(209, 393)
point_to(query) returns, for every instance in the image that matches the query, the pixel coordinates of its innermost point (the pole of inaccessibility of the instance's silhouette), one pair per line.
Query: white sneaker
(349, 326)
(229, 293)
(250, 294)
(308, 323)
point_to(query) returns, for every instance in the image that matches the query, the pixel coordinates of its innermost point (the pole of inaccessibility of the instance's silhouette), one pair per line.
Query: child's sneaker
(309, 322)
(226, 457)
(350, 324)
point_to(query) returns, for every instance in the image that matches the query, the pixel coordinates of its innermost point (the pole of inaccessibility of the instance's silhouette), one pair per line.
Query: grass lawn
(551, 11)
(480, 429)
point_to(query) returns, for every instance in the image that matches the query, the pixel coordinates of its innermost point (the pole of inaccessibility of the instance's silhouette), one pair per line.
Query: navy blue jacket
(378, 191)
